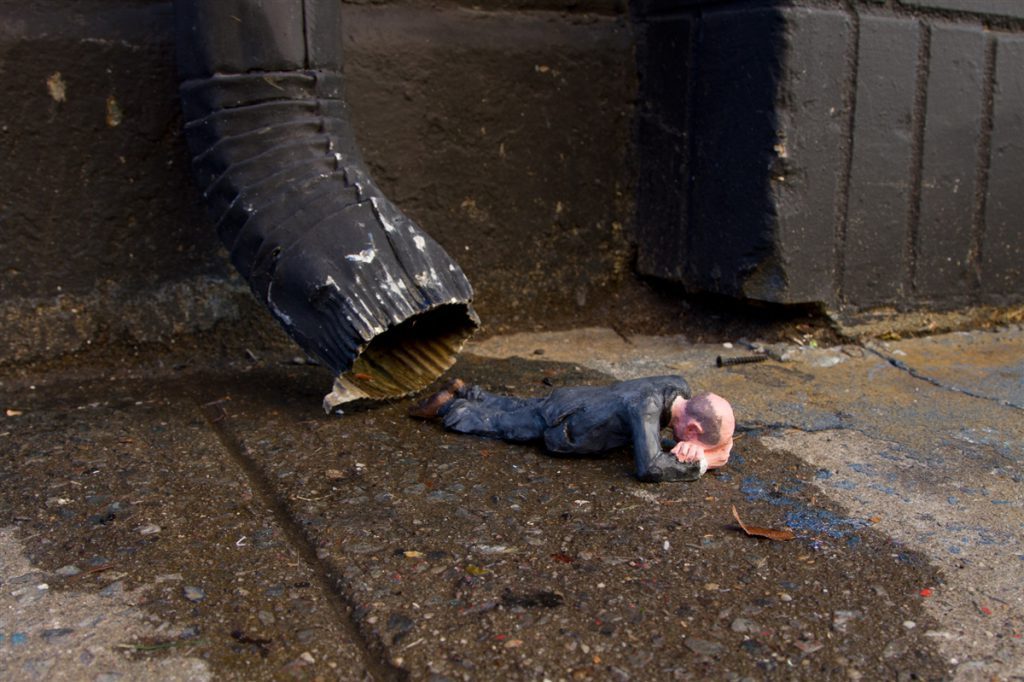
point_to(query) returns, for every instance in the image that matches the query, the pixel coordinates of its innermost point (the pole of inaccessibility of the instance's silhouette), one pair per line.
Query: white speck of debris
(42, 586)
(307, 657)
(581, 502)
(241, 542)
(329, 282)
(364, 256)
(149, 529)
(57, 88)
(13, 413)
(388, 227)
(726, 345)
(451, 268)
(909, 624)
(666, 545)
(420, 242)
(493, 549)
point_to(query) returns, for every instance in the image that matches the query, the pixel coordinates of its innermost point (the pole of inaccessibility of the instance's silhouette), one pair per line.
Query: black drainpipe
(352, 279)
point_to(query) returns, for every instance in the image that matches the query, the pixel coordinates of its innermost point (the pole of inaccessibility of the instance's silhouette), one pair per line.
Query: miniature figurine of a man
(593, 419)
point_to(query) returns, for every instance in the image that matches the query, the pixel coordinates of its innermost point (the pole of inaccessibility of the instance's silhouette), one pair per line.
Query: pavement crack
(328, 582)
(902, 366)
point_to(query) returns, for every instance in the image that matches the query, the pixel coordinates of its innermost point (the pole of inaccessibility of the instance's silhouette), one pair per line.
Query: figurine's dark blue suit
(583, 420)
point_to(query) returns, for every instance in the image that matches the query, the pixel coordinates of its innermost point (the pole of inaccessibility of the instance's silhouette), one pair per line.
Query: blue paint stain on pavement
(799, 515)
(823, 474)
(18, 638)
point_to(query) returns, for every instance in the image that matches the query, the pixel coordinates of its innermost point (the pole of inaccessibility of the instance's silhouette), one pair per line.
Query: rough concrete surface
(921, 438)
(244, 535)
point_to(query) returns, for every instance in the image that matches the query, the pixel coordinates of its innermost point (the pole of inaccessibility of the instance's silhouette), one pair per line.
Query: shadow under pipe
(348, 275)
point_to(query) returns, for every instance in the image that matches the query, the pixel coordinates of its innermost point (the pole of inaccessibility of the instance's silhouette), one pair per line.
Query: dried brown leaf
(770, 533)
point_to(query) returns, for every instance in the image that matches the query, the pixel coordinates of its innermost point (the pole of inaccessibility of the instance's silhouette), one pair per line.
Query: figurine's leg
(494, 401)
(485, 418)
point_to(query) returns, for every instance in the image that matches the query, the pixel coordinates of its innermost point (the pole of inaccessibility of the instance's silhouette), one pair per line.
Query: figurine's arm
(652, 464)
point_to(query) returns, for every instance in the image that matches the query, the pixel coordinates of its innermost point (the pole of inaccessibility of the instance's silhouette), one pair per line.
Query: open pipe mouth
(407, 357)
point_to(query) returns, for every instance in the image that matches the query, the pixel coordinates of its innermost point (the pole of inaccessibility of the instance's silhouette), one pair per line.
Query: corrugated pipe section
(352, 279)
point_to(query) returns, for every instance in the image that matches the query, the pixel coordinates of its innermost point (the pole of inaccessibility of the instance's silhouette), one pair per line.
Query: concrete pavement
(169, 517)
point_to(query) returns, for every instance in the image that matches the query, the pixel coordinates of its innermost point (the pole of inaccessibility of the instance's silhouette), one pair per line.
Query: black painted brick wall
(856, 155)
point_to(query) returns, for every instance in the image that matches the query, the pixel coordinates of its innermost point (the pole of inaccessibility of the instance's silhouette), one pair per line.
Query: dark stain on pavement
(459, 557)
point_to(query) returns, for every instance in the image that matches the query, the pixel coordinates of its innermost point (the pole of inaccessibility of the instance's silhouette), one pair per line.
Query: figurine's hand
(719, 456)
(688, 452)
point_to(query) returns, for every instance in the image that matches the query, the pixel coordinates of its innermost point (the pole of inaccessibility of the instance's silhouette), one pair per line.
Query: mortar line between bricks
(935, 382)
(917, 163)
(328, 583)
(982, 167)
(842, 205)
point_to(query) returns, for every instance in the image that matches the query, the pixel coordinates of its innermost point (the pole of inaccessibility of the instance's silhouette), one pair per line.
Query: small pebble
(841, 618)
(909, 624)
(68, 571)
(55, 633)
(784, 596)
(193, 593)
(149, 529)
(703, 647)
(307, 657)
(113, 589)
(744, 625)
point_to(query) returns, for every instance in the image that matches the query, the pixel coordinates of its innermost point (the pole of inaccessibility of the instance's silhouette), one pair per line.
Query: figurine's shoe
(431, 406)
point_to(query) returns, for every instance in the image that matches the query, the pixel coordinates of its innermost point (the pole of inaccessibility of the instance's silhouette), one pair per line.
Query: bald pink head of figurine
(705, 419)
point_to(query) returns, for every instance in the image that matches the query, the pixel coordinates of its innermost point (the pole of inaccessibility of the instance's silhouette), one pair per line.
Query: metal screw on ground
(742, 360)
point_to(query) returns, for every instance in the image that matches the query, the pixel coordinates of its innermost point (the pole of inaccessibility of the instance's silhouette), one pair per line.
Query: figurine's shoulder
(664, 385)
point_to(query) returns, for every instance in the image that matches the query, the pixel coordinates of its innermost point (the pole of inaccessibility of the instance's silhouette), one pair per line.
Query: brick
(880, 171)
(733, 137)
(663, 51)
(1002, 266)
(661, 201)
(1006, 8)
(812, 113)
(952, 133)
